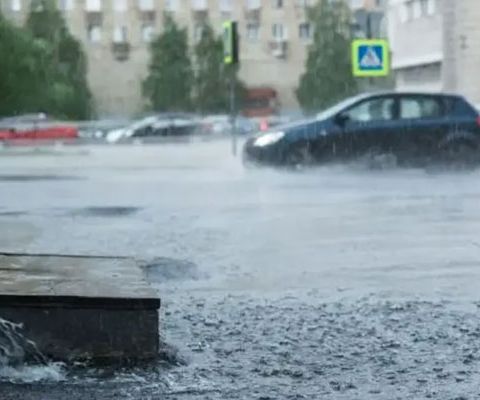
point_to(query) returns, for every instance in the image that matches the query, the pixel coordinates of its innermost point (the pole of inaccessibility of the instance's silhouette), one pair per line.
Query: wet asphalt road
(333, 283)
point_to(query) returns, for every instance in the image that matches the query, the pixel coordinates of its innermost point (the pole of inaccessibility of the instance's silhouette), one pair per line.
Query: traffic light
(230, 43)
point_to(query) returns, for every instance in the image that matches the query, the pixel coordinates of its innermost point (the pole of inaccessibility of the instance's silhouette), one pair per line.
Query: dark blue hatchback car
(409, 127)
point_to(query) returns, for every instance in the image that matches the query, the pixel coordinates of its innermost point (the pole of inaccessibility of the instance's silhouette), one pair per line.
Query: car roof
(409, 93)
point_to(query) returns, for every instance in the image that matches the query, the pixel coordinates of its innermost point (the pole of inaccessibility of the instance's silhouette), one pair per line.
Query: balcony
(200, 10)
(146, 11)
(121, 51)
(93, 13)
(253, 11)
(120, 44)
(279, 48)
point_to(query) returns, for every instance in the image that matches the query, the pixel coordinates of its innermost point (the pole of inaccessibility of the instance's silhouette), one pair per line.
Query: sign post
(370, 58)
(230, 59)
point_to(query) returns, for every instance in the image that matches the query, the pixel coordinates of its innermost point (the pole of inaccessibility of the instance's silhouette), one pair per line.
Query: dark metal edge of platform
(79, 302)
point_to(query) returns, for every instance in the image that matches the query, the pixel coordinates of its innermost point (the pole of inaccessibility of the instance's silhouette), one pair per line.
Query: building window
(199, 5)
(403, 12)
(253, 32)
(65, 5)
(94, 33)
(148, 32)
(120, 34)
(120, 5)
(93, 5)
(277, 3)
(305, 31)
(197, 32)
(146, 5)
(278, 32)
(417, 9)
(304, 3)
(171, 5)
(226, 6)
(431, 7)
(253, 5)
(16, 5)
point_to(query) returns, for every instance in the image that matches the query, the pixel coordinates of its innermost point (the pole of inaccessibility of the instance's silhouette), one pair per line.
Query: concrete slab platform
(77, 307)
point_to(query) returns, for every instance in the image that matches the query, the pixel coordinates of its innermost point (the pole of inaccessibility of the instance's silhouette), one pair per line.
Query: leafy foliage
(212, 77)
(42, 67)
(22, 71)
(169, 82)
(68, 93)
(328, 71)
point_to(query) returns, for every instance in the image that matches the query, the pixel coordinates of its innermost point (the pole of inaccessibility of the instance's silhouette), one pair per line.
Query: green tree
(66, 65)
(23, 75)
(169, 82)
(328, 70)
(212, 77)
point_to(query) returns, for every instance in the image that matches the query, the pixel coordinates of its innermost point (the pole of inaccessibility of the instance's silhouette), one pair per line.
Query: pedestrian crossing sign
(370, 57)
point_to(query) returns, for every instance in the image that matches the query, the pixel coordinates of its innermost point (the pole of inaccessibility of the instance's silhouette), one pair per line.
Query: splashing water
(20, 359)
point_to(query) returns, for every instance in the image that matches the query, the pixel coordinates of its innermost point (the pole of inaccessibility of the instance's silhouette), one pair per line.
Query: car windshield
(239, 199)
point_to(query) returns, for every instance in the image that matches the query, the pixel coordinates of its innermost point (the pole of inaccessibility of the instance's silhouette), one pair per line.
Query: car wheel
(376, 159)
(299, 156)
(460, 154)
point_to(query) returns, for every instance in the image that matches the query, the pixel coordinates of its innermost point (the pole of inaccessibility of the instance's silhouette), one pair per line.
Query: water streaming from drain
(20, 359)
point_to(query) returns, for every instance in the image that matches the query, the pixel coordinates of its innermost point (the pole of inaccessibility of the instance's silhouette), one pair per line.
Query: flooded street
(335, 283)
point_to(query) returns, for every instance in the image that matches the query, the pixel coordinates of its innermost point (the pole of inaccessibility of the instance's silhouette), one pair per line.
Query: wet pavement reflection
(336, 282)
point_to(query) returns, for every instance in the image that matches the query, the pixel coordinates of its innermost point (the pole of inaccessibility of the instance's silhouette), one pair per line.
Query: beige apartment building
(275, 35)
(436, 45)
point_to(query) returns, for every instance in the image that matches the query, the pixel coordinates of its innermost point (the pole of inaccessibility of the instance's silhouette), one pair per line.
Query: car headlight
(268, 138)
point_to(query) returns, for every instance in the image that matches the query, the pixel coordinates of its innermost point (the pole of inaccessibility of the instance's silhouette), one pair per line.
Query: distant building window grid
(120, 34)
(253, 31)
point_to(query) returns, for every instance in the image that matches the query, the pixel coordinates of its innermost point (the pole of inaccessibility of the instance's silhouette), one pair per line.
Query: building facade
(115, 34)
(416, 40)
(436, 45)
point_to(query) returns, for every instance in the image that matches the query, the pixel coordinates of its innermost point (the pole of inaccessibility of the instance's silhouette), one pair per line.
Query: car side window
(420, 107)
(379, 109)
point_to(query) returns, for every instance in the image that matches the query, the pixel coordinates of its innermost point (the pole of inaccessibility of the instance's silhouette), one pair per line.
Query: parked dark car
(156, 126)
(408, 127)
